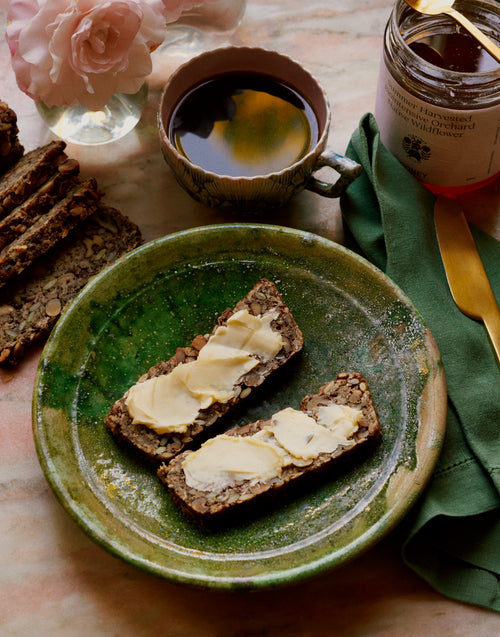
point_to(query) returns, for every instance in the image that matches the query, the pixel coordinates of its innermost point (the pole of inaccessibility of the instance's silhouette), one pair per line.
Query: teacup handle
(348, 169)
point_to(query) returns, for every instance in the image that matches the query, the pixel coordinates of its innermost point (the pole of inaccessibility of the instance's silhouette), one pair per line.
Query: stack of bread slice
(55, 234)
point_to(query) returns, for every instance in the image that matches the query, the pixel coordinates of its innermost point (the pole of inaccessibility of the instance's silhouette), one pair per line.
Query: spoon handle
(488, 44)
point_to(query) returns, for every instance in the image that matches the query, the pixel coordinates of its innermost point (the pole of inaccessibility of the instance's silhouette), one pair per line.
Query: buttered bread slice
(179, 398)
(236, 470)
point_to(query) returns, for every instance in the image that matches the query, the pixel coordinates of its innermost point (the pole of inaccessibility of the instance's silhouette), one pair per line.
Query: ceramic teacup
(269, 189)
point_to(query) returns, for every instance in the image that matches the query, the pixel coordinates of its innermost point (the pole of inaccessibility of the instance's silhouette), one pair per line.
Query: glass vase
(201, 28)
(78, 125)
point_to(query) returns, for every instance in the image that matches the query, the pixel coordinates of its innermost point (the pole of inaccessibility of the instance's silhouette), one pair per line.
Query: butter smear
(292, 438)
(170, 403)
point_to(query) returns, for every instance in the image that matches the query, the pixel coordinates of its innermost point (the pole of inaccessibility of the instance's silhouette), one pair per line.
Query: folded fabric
(452, 536)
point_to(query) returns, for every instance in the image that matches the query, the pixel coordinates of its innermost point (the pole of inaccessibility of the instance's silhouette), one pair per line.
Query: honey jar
(438, 97)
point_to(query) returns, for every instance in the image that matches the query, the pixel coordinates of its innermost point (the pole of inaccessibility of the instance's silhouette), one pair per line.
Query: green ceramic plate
(159, 297)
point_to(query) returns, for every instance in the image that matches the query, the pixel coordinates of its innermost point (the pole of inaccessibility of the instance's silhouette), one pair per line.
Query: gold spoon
(435, 7)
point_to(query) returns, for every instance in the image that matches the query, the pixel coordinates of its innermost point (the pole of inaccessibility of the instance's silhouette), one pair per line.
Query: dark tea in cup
(243, 124)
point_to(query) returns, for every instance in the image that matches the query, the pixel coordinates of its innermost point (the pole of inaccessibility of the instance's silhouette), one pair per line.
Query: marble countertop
(54, 580)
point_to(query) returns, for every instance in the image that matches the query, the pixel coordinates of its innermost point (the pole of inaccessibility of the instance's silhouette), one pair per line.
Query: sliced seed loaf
(79, 203)
(27, 174)
(159, 448)
(208, 508)
(31, 304)
(10, 147)
(64, 177)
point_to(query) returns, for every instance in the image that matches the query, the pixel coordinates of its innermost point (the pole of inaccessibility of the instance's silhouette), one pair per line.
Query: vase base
(78, 125)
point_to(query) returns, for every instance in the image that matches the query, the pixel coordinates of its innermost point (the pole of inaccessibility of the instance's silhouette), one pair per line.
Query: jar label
(439, 146)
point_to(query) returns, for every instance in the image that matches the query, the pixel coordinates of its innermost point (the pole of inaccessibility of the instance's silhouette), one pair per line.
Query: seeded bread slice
(10, 147)
(159, 448)
(36, 205)
(31, 304)
(209, 508)
(27, 174)
(79, 203)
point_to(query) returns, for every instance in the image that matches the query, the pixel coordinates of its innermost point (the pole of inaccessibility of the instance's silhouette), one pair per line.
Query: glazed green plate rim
(301, 257)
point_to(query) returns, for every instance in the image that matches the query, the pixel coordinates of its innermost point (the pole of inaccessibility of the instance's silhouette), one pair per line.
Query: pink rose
(69, 51)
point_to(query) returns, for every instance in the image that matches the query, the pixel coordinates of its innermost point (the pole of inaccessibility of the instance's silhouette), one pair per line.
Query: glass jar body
(442, 124)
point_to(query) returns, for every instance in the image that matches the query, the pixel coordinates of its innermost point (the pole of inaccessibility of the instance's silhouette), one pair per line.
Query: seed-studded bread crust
(64, 177)
(27, 174)
(10, 147)
(79, 203)
(159, 448)
(31, 304)
(209, 508)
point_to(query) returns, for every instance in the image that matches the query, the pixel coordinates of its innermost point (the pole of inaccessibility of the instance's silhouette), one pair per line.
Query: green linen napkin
(452, 536)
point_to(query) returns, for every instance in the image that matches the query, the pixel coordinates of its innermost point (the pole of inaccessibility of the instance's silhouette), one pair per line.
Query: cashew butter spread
(171, 402)
(292, 437)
